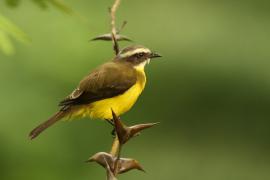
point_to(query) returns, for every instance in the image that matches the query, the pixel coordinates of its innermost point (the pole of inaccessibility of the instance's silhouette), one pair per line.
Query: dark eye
(139, 55)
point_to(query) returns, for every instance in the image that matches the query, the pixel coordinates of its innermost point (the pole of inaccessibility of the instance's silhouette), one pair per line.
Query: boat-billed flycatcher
(114, 85)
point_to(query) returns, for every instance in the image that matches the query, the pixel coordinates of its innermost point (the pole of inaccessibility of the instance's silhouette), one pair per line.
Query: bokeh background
(210, 91)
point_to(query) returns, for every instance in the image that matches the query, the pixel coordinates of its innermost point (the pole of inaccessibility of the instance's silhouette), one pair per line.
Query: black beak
(154, 55)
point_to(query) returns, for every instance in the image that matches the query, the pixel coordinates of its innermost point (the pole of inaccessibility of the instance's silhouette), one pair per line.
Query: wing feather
(109, 80)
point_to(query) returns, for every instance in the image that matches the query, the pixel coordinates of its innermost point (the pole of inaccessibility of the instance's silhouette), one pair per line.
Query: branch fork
(113, 162)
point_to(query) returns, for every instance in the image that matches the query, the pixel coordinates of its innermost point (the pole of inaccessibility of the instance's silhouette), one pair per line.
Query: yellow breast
(120, 104)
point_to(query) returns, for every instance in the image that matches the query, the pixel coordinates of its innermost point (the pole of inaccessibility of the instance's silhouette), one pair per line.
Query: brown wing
(109, 80)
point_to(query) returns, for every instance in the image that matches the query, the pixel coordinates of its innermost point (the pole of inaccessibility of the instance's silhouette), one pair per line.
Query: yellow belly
(120, 104)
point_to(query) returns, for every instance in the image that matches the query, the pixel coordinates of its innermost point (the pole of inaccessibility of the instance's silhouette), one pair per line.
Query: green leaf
(12, 3)
(61, 6)
(7, 30)
(41, 3)
(11, 29)
(5, 44)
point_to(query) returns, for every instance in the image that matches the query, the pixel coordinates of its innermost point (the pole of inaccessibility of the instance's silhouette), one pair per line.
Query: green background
(210, 91)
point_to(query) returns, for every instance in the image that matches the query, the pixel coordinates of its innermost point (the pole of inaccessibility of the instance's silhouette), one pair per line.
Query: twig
(113, 26)
(110, 174)
(116, 163)
(123, 26)
(113, 163)
(114, 35)
(115, 146)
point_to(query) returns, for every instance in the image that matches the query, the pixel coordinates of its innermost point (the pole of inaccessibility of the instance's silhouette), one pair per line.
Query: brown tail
(40, 128)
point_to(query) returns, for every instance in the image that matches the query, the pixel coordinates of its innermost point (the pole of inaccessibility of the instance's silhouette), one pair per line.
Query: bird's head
(136, 55)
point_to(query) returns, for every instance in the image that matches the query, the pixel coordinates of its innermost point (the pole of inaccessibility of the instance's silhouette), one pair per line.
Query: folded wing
(109, 80)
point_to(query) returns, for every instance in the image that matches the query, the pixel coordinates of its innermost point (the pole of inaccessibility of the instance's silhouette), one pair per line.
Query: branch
(114, 35)
(115, 146)
(113, 162)
(113, 26)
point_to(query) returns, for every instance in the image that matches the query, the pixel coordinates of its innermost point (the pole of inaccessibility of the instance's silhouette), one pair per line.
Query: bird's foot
(113, 133)
(110, 122)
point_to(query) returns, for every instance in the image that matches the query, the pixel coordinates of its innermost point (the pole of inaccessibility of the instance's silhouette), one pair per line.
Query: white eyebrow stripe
(130, 53)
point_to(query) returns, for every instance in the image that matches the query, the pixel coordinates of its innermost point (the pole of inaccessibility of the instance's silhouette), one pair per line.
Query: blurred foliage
(41, 3)
(9, 29)
(210, 91)
(12, 3)
(60, 4)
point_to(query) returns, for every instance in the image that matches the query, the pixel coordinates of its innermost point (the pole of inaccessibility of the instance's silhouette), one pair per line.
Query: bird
(115, 85)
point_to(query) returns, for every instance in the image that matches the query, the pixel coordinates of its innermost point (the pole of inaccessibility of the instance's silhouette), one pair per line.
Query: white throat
(142, 65)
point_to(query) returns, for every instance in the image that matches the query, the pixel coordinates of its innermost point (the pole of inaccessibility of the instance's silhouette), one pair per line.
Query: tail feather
(40, 128)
